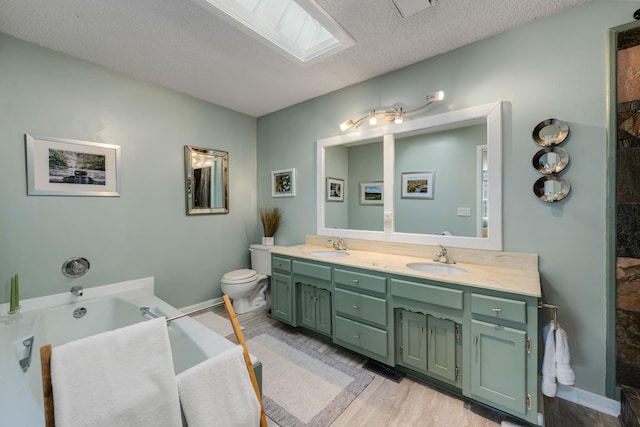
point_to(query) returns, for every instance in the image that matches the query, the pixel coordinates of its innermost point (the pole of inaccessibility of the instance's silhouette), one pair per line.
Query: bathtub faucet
(77, 291)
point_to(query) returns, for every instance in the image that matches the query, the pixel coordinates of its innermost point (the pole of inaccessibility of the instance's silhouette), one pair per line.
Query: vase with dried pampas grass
(270, 218)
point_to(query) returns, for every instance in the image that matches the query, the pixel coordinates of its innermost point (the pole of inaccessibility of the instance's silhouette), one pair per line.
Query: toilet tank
(261, 258)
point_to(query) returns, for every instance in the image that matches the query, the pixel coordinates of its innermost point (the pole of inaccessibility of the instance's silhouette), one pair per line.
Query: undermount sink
(427, 267)
(329, 254)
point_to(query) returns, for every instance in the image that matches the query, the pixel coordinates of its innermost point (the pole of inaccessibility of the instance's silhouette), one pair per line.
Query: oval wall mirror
(550, 132)
(551, 188)
(550, 160)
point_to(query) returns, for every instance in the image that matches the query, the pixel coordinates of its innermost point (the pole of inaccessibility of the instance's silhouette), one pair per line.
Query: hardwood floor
(409, 403)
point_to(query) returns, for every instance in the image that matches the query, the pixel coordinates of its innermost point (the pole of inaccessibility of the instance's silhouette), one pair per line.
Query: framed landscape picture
(417, 185)
(371, 193)
(68, 167)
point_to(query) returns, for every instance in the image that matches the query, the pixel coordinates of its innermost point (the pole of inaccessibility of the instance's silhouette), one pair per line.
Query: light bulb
(346, 125)
(373, 119)
(399, 116)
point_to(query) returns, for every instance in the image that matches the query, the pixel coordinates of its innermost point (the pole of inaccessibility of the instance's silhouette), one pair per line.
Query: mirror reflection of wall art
(283, 183)
(371, 193)
(417, 185)
(67, 167)
(335, 190)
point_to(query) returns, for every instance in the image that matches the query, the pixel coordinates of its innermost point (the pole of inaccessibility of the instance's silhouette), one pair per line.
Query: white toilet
(246, 287)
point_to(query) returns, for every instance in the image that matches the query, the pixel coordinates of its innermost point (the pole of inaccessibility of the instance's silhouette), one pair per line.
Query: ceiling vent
(407, 8)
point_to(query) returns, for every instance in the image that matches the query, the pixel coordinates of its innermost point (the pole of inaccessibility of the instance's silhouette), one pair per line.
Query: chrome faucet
(77, 291)
(339, 245)
(441, 256)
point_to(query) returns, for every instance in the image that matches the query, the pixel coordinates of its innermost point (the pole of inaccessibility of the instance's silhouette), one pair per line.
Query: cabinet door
(414, 340)
(441, 347)
(323, 311)
(498, 365)
(282, 297)
(307, 305)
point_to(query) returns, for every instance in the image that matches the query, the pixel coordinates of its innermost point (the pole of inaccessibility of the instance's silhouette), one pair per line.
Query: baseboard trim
(215, 301)
(590, 400)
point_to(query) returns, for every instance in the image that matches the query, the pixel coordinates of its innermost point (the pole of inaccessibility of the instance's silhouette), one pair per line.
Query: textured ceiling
(182, 45)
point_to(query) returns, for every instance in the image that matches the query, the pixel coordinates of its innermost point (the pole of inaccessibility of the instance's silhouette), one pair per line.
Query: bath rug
(301, 386)
(216, 323)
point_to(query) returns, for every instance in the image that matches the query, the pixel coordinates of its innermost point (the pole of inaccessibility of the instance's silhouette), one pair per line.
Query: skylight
(300, 29)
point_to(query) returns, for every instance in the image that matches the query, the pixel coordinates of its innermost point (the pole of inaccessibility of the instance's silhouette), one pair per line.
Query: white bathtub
(50, 320)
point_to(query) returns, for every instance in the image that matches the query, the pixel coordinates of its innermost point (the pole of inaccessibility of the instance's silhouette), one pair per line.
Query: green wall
(145, 232)
(554, 67)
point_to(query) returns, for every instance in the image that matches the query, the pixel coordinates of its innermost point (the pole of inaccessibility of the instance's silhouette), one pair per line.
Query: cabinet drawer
(360, 336)
(321, 272)
(361, 281)
(499, 308)
(360, 306)
(445, 297)
(281, 264)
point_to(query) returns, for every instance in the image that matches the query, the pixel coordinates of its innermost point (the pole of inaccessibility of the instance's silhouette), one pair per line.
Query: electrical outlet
(464, 211)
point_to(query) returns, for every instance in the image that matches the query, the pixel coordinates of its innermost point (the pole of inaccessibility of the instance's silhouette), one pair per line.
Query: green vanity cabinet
(503, 365)
(312, 286)
(282, 298)
(442, 348)
(475, 342)
(315, 308)
(413, 340)
(430, 345)
(361, 320)
(282, 301)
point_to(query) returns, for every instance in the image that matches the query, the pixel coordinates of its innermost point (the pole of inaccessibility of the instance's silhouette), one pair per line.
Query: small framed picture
(283, 183)
(417, 185)
(371, 193)
(335, 190)
(68, 167)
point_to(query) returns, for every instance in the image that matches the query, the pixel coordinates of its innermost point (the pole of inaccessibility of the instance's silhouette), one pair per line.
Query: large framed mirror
(451, 164)
(206, 180)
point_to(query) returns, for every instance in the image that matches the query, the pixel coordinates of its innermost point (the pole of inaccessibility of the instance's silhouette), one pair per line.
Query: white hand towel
(123, 377)
(564, 372)
(218, 392)
(549, 386)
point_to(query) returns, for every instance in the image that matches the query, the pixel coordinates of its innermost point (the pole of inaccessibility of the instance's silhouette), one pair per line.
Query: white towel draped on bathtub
(556, 361)
(123, 377)
(219, 389)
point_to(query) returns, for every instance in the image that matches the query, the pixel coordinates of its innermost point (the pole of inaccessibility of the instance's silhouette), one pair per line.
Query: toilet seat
(239, 276)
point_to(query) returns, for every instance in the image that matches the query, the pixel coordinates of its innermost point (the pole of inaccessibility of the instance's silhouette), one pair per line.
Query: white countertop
(525, 281)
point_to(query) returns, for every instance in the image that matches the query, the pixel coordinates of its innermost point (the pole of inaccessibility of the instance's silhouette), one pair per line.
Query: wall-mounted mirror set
(551, 160)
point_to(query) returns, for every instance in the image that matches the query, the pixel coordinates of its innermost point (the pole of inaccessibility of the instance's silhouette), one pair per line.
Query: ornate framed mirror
(206, 173)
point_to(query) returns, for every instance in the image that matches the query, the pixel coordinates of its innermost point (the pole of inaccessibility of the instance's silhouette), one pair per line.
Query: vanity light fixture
(392, 114)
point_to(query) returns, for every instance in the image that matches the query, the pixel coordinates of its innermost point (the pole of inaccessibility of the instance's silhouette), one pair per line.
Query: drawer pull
(355, 306)
(357, 337)
(356, 281)
(496, 310)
